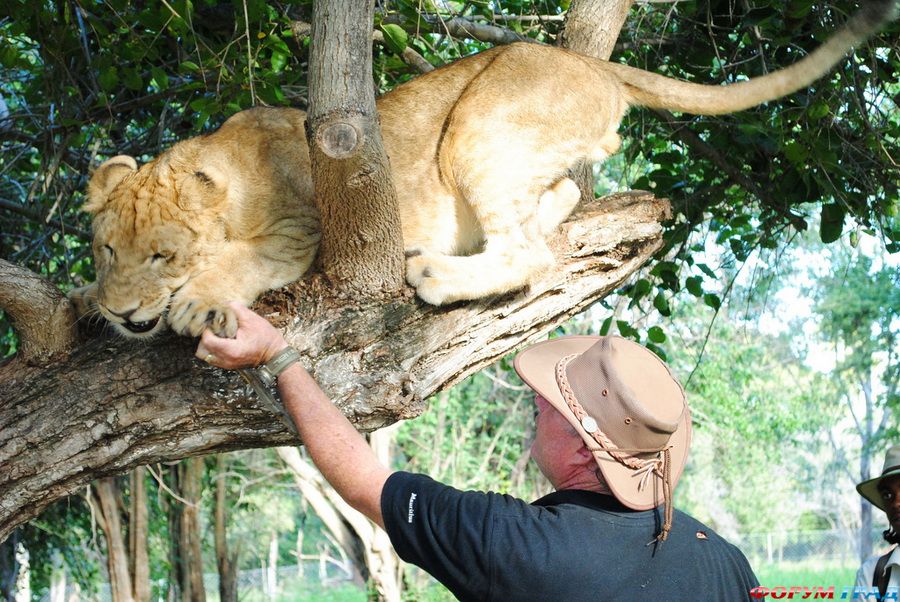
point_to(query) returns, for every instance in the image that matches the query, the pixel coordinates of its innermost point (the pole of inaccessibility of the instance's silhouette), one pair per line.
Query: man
(883, 571)
(612, 436)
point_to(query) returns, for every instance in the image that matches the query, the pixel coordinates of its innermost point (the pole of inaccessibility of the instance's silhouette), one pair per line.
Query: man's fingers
(203, 352)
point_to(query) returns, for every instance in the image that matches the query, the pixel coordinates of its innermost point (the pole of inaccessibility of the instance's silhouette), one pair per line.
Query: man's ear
(206, 187)
(105, 178)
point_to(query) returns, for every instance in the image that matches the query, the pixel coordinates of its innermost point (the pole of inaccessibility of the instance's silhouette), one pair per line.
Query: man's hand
(255, 343)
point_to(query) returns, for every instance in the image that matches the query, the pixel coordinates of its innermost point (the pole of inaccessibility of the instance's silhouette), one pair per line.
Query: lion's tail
(656, 91)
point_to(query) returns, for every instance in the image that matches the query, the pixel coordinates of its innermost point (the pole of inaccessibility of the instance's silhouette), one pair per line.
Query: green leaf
(279, 60)
(712, 300)
(133, 80)
(795, 152)
(395, 37)
(694, 285)
(189, 66)
(662, 304)
(656, 334)
(832, 223)
(627, 330)
(108, 78)
(818, 110)
(604, 328)
(706, 270)
(159, 78)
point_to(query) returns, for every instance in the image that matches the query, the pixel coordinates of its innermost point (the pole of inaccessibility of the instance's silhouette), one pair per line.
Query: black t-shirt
(567, 546)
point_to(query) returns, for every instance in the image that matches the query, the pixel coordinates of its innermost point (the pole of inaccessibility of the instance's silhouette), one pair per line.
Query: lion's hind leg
(513, 251)
(508, 262)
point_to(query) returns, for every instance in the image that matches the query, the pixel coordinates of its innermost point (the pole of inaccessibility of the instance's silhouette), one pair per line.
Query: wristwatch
(268, 372)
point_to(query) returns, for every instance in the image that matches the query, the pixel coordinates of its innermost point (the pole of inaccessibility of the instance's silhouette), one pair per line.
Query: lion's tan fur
(228, 216)
(479, 152)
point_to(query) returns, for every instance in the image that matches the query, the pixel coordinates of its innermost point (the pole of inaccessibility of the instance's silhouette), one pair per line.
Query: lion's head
(153, 227)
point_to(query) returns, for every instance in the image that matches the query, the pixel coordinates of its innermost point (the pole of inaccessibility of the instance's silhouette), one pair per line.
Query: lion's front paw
(84, 300)
(190, 317)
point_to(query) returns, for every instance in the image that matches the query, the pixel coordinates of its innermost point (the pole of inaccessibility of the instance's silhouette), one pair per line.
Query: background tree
(858, 304)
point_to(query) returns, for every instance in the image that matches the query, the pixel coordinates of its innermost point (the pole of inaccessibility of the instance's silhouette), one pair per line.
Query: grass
(809, 574)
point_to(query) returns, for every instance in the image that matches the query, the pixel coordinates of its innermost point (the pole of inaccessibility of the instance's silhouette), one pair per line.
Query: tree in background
(857, 302)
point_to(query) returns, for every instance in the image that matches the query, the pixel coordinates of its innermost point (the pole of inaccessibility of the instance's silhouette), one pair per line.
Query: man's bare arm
(341, 454)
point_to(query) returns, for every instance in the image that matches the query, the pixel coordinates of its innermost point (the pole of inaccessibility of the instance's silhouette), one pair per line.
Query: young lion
(479, 150)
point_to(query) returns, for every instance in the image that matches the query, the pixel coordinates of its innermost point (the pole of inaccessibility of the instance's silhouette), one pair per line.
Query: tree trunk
(116, 555)
(271, 575)
(225, 560)
(138, 562)
(173, 509)
(132, 403)
(361, 246)
(43, 317)
(592, 28)
(368, 545)
(191, 471)
(384, 563)
(9, 567)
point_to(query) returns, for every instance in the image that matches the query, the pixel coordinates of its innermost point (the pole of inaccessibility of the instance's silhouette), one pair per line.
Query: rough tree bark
(129, 403)
(43, 318)
(361, 248)
(226, 560)
(138, 559)
(107, 493)
(592, 28)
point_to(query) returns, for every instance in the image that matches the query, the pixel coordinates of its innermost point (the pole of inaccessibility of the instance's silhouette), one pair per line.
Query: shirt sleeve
(445, 531)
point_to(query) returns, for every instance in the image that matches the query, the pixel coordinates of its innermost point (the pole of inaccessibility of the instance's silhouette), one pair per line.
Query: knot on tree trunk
(340, 136)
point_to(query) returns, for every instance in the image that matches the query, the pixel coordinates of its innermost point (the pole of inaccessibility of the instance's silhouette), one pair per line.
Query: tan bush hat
(627, 406)
(869, 489)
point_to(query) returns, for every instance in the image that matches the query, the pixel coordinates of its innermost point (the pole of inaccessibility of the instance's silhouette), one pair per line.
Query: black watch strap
(269, 371)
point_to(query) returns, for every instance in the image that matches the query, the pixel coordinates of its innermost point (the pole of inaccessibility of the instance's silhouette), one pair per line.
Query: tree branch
(460, 27)
(43, 317)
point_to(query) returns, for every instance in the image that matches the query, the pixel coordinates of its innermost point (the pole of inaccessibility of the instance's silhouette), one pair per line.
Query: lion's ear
(105, 178)
(206, 187)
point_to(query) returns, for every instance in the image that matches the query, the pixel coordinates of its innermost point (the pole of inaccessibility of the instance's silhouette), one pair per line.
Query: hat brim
(869, 489)
(536, 367)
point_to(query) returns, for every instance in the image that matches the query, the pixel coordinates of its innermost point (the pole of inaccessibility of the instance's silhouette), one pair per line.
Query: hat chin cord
(660, 465)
